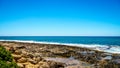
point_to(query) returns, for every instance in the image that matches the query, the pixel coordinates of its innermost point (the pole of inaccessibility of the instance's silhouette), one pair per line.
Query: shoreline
(92, 58)
(96, 47)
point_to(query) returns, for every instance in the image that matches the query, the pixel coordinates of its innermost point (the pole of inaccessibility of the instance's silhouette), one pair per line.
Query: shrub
(6, 59)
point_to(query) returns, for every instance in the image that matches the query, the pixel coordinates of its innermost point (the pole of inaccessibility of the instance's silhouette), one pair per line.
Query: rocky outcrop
(32, 55)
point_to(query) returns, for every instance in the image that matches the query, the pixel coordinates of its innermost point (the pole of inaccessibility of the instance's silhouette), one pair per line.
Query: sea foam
(104, 48)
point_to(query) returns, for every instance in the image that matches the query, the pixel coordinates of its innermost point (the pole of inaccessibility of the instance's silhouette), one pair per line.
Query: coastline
(97, 47)
(93, 58)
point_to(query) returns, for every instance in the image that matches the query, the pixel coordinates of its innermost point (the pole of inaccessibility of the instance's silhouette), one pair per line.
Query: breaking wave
(104, 48)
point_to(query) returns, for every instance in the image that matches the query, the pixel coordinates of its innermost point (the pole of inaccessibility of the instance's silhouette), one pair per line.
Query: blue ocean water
(108, 43)
(68, 39)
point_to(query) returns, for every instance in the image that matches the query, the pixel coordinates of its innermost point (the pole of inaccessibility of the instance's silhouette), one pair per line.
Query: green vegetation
(6, 59)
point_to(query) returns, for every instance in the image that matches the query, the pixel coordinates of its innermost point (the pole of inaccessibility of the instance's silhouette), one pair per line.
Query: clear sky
(59, 17)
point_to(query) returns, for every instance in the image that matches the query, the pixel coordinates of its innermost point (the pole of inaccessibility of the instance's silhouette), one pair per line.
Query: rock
(38, 59)
(60, 65)
(20, 65)
(84, 53)
(7, 48)
(71, 58)
(116, 61)
(30, 55)
(107, 58)
(57, 65)
(20, 47)
(44, 65)
(103, 62)
(91, 52)
(16, 57)
(37, 54)
(52, 64)
(32, 61)
(116, 56)
(18, 52)
(106, 54)
(24, 52)
(57, 51)
(30, 66)
(12, 49)
(22, 60)
(41, 63)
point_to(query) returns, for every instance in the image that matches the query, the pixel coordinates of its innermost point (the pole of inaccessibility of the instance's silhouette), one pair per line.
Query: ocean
(102, 43)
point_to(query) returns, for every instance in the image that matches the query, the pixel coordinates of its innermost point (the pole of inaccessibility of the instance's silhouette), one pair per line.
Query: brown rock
(20, 47)
(16, 57)
(20, 65)
(29, 66)
(24, 52)
(38, 59)
(37, 54)
(22, 60)
(18, 52)
(12, 49)
(32, 61)
(30, 55)
(44, 65)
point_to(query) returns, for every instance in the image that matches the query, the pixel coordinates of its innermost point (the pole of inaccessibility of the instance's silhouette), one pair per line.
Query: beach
(38, 55)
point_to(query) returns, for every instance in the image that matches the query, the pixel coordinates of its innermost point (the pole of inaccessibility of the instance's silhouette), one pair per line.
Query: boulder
(32, 61)
(30, 55)
(18, 52)
(16, 57)
(44, 65)
(22, 60)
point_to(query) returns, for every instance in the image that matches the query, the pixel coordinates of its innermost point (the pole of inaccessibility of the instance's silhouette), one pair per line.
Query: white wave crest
(105, 48)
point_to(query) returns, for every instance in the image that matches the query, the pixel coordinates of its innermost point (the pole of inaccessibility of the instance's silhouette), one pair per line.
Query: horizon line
(64, 35)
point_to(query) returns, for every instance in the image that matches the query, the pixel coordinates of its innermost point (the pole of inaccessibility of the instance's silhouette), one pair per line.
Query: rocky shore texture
(33, 55)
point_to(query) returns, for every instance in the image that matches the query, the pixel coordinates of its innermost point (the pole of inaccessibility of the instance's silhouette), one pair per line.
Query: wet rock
(71, 58)
(91, 52)
(83, 53)
(107, 58)
(116, 61)
(106, 54)
(116, 56)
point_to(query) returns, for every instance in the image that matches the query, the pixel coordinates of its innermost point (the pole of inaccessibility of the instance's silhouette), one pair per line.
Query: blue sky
(59, 17)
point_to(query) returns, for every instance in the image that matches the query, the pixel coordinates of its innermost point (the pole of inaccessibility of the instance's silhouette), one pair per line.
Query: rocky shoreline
(34, 55)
